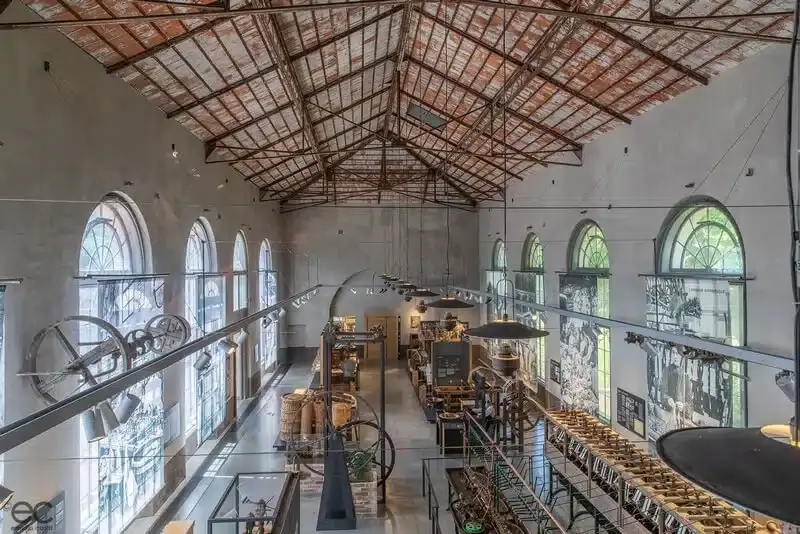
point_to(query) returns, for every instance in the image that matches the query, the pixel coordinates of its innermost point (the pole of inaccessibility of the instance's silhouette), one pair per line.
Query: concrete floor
(251, 449)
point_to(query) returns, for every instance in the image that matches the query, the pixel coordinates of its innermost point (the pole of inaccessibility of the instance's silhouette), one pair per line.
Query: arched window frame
(499, 264)
(689, 217)
(499, 256)
(530, 280)
(268, 296)
(240, 297)
(115, 242)
(588, 255)
(204, 299)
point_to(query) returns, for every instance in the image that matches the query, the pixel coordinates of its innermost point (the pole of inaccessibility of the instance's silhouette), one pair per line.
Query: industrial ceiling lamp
(749, 466)
(110, 421)
(505, 328)
(227, 345)
(203, 361)
(447, 301)
(126, 407)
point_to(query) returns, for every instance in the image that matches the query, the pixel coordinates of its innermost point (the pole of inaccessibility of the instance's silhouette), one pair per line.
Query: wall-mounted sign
(631, 413)
(555, 371)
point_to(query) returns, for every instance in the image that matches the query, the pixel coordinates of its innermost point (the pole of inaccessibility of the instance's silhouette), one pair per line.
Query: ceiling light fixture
(282, 313)
(128, 403)
(227, 345)
(203, 361)
(92, 423)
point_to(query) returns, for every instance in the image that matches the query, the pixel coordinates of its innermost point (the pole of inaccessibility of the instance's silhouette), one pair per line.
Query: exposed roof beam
(293, 156)
(411, 147)
(515, 114)
(252, 154)
(355, 4)
(243, 126)
(433, 133)
(518, 64)
(213, 141)
(446, 177)
(541, 53)
(219, 92)
(347, 33)
(337, 113)
(450, 118)
(282, 59)
(400, 52)
(638, 45)
(311, 181)
(160, 47)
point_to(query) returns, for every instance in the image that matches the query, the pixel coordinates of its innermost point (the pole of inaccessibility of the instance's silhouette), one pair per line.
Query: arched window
(499, 258)
(268, 296)
(494, 277)
(698, 290)
(586, 346)
(240, 273)
(703, 239)
(115, 245)
(590, 251)
(530, 285)
(204, 297)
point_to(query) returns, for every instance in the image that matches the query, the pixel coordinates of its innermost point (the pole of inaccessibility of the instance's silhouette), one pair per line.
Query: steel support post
(383, 419)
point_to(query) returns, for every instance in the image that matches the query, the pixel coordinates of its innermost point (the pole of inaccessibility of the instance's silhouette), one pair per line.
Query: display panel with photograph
(682, 390)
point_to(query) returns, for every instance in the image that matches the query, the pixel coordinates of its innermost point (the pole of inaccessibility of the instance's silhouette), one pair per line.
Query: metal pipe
(774, 361)
(38, 423)
(251, 11)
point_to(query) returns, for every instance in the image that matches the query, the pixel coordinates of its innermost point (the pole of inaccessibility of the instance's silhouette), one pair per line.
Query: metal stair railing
(509, 480)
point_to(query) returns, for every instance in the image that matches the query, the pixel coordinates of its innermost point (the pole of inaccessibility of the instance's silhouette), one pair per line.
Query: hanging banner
(579, 343)
(682, 391)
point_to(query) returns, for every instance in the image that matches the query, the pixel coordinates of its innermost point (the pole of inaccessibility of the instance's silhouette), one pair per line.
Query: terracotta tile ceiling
(388, 100)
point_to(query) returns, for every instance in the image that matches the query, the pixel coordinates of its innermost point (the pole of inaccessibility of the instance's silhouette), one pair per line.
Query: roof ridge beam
(519, 64)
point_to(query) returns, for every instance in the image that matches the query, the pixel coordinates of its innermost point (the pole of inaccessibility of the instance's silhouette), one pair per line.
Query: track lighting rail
(21, 431)
(774, 361)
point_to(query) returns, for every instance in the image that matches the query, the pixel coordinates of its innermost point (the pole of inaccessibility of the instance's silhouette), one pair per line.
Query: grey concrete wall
(70, 136)
(347, 240)
(629, 195)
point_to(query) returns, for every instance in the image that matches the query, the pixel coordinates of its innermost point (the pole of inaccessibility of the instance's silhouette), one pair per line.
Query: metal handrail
(496, 451)
(38, 423)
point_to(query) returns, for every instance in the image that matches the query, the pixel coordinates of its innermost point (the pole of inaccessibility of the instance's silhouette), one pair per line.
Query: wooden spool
(290, 420)
(307, 420)
(341, 413)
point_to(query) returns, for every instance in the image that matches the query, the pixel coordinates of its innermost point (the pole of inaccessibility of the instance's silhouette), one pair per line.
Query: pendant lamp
(505, 328)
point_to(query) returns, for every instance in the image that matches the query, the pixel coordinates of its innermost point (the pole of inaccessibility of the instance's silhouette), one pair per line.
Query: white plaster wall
(347, 240)
(69, 136)
(629, 195)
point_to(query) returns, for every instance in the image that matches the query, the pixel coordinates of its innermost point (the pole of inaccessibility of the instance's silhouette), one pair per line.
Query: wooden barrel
(307, 420)
(290, 416)
(341, 413)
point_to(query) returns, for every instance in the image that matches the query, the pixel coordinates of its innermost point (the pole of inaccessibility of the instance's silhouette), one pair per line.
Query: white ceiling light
(282, 313)
(241, 336)
(227, 345)
(203, 361)
(110, 421)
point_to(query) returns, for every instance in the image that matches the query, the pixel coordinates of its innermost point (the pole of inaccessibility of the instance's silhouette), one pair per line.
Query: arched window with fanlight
(529, 283)
(493, 279)
(698, 290)
(585, 345)
(268, 296)
(123, 469)
(239, 273)
(204, 299)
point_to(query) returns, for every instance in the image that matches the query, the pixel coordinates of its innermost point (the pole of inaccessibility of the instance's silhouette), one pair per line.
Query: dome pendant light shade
(506, 329)
(741, 465)
(449, 303)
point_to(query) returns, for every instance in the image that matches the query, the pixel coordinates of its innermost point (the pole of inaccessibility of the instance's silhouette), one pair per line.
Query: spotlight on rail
(282, 313)
(127, 405)
(93, 425)
(203, 361)
(227, 345)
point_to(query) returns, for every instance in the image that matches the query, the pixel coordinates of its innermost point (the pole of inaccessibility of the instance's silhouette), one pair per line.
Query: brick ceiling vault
(388, 100)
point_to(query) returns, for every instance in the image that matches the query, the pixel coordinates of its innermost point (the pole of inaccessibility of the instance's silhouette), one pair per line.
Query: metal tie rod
(40, 422)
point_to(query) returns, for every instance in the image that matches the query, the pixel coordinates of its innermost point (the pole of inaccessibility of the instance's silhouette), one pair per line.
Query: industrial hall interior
(399, 266)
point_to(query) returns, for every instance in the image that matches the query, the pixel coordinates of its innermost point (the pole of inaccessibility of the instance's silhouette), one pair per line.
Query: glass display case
(258, 503)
